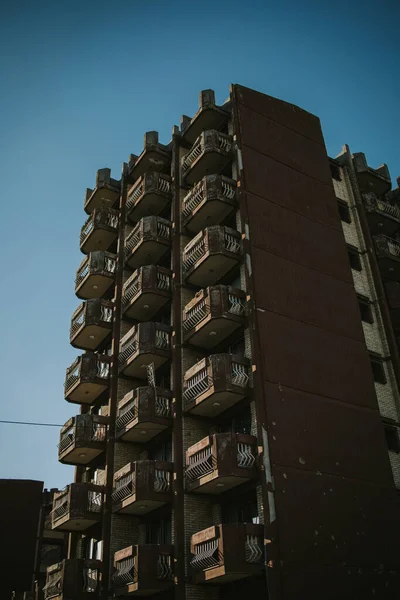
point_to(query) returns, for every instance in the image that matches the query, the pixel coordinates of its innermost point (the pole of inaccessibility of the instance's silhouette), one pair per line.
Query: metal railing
(393, 246)
(194, 254)
(163, 230)
(132, 287)
(197, 313)
(164, 566)
(253, 548)
(163, 281)
(134, 195)
(67, 439)
(77, 321)
(83, 271)
(200, 464)
(129, 345)
(239, 374)
(91, 580)
(197, 385)
(236, 305)
(206, 556)
(102, 369)
(73, 374)
(94, 501)
(192, 200)
(54, 584)
(206, 140)
(245, 456)
(125, 572)
(61, 506)
(126, 414)
(87, 228)
(133, 239)
(162, 339)
(125, 486)
(163, 406)
(162, 480)
(232, 244)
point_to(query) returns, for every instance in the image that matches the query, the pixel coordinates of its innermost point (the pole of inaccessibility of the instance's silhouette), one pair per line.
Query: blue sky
(82, 82)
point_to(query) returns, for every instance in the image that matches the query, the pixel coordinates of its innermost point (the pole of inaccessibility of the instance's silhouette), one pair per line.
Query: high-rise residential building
(237, 394)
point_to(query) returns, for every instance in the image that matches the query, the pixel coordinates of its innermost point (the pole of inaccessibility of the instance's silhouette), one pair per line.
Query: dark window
(162, 452)
(365, 309)
(392, 438)
(354, 258)
(335, 172)
(159, 532)
(238, 347)
(239, 423)
(378, 370)
(344, 211)
(241, 510)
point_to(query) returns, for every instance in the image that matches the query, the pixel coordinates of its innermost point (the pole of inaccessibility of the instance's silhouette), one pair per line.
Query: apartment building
(237, 371)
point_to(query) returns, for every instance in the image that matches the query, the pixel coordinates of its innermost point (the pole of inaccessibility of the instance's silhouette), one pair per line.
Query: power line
(31, 423)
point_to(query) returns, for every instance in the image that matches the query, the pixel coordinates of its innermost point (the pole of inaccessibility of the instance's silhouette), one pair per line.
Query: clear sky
(83, 80)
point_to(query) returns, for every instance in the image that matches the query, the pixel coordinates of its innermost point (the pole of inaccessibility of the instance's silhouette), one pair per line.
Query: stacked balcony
(143, 413)
(145, 292)
(142, 486)
(213, 315)
(215, 384)
(383, 217)
(210, 255)
(393, 296)
(224, 553)
(155, 157)
(78, 507)
(371, 180)
(105, 194)
(209, 116)
(143, 570)
(220, 462)
(82, 439)
(210, 154)
(209, 202)
(87, 378)
(91, 324)
(144, 344)
(148, 242)
(73, 579)
(99, 231)
(95, 275)
(388, 253)
(149, 195)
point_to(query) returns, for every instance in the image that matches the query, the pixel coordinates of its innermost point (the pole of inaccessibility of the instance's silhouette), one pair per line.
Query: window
(392, 438)
(364, 305)
(242, 509)
(159, 532)
(344, 211)
(335, 172)
(162, 452)
(378, 370)
(354, 258)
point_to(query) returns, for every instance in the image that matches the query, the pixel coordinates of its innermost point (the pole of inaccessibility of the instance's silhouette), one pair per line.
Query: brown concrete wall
(337, 520)
(20, 502)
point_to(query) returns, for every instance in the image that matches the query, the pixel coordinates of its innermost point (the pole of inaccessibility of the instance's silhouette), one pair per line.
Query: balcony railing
(105, 194)
(143, 570)
(209, 202)
(142, 486)
(149, 195)
(146, 291)
(78, 507)
(215, 383)
(91, 324)
(209, 116)
(155, 157)
(95, 275)
(147, 242)
(213, 315)
(143, 413)
(210, 153)
(211, 255)
(220, 462)
(82, 439)
(99, 231)
(227, 552)
(72, 578)
(383, 216)
(388, 252)
(145, 343)
(87, 378)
